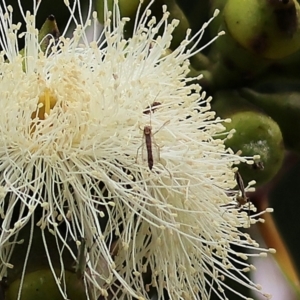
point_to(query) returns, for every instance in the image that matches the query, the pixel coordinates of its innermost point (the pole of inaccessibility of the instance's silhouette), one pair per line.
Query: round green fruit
(268, 28)
(257, 134)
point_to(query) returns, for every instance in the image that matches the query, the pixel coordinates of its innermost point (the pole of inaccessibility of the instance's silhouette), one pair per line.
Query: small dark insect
(242, 199)
(148, 141)
(151, 108)
(148, 134)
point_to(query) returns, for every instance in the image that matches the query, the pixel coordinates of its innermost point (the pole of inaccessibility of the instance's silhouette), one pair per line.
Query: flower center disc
(46, 102)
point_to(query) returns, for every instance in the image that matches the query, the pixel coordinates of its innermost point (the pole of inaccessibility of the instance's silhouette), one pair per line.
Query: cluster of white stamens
(74, 158)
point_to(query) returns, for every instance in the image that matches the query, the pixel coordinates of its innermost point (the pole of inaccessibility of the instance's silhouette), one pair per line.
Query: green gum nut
(40, 285)
(268, 28)
(255, 134)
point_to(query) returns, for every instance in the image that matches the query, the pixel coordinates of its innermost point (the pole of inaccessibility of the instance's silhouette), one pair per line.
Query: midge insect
(242, 199)
(148, 141)
(240, 195)
(148, 135)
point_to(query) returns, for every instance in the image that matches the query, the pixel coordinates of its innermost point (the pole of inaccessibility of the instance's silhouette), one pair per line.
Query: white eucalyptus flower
(107, 142)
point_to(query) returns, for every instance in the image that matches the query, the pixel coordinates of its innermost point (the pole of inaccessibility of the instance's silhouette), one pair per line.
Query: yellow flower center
(47, 101)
